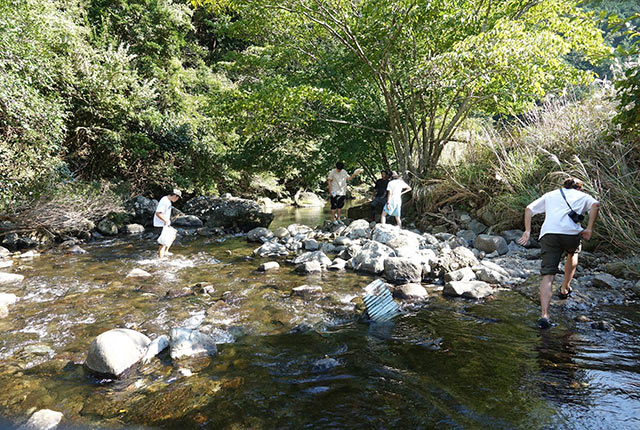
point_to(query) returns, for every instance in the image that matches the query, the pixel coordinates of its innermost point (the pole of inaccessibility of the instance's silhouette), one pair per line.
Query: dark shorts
(337, 202)
(553, 247)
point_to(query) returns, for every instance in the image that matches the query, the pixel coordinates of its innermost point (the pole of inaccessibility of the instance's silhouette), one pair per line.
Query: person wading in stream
(561, 232)
(337, 181)
(162, 217)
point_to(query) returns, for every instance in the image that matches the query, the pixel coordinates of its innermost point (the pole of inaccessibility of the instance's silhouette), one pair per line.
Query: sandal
(563, 296)
(544, 323)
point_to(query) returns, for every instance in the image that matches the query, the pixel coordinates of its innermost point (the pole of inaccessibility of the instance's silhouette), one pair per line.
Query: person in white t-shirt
(395, 189)
(162, 216)
(337, 181)
(561, 232)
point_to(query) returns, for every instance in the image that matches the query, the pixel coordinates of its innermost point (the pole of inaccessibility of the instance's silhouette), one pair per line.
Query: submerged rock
(306, 291)
(44, 419)
(191, 343)
(115, 351)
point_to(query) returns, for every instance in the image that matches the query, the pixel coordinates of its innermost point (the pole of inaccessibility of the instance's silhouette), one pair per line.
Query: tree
(432, 63)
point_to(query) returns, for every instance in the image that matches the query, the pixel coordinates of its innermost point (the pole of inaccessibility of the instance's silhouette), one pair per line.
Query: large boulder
(489, 243)
(142, 209)
(370, 258)
(306, 199)
(228, 212)
(468, 289)
(115, 351)
(402, 270)
(187, 221)
(357, 229)
(456, 259)
(191, 343)
(395, 237)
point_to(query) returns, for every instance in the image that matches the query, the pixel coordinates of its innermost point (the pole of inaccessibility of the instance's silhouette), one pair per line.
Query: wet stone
(44, 419)
(10, 278)
(306, 291)
(410, 292)
(138, 273)
(602, 326)
(270, 265)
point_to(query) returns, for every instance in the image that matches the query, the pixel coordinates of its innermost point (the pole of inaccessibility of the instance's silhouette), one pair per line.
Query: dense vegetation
(262, 97)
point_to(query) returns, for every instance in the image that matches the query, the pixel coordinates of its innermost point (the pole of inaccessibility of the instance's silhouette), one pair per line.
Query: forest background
(481, 104)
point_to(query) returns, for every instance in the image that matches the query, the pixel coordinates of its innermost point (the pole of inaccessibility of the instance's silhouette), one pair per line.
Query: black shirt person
(379, 197)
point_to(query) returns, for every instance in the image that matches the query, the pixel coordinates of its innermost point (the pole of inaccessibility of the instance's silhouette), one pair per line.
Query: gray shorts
(553, 247)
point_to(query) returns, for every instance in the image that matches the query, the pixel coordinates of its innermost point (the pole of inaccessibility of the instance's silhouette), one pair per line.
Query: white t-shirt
(395, 188)
(556, 210)
(338, 181)
(164, 207)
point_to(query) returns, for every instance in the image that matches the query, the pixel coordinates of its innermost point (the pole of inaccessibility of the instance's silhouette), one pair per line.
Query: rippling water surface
(290, 363)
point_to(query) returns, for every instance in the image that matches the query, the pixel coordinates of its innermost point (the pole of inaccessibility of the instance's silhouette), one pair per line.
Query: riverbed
(287, 362)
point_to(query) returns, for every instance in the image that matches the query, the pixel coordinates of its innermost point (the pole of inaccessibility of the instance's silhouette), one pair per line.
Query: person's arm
(355, 173)
(406, 190)
(593, 214)
(528, 214)
(161, 216)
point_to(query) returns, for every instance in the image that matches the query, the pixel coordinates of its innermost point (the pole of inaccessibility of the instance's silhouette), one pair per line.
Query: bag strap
(565, 199)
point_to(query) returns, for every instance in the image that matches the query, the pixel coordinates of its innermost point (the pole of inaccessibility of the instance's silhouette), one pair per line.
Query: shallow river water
(289, 363)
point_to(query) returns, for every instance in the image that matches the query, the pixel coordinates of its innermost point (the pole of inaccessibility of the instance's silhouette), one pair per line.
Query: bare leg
(162, 250)
(383, 217)
(339, 213)
(398, 222)
(569, 270)
(333, 214)
(545, 295)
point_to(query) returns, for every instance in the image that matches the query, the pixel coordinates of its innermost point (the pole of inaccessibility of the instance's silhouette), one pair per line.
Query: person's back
(395, 188)
(556, 210)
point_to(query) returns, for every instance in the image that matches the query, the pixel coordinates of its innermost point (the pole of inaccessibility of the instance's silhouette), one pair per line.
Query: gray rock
(358, 229)
(464, 274)
(310, 244)
(44, 419)
(511, 235)
(477, 227)
(324, 365)
(329, 248)
(318, 256)
(296, 229)
(338, 264)
(156, 346)
(75, 249)
(489, 244)
(270, 265)
(259, 233)
(138, 273)
(190, 343)
(309, 267)
(342, 240)
(187, 221)
(4, 252)
(491, 276)
(468, 289)
(10, 278)
(370, 258)
(410, 292)
(142, 209)
(456, 259)
(271, 249)
(306, 291)
(281, 233)
(132, 229)
(394, 237)
(107, 227)
(468, 235)
(229, 212)
(402, 270)
(444, 236)
(306, 199)
(430, 239)
(605, 280)
(115, 351)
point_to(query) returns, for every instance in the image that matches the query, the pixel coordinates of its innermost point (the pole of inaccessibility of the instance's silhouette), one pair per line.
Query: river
(291, 363)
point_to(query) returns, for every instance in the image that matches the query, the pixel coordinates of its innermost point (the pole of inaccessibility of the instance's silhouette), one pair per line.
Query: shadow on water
(291, 363)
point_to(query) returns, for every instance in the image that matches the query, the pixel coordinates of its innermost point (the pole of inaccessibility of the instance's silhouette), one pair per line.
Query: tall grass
(505, 168)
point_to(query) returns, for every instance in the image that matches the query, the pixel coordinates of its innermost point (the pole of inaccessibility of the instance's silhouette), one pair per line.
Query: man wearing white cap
(162, 216)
